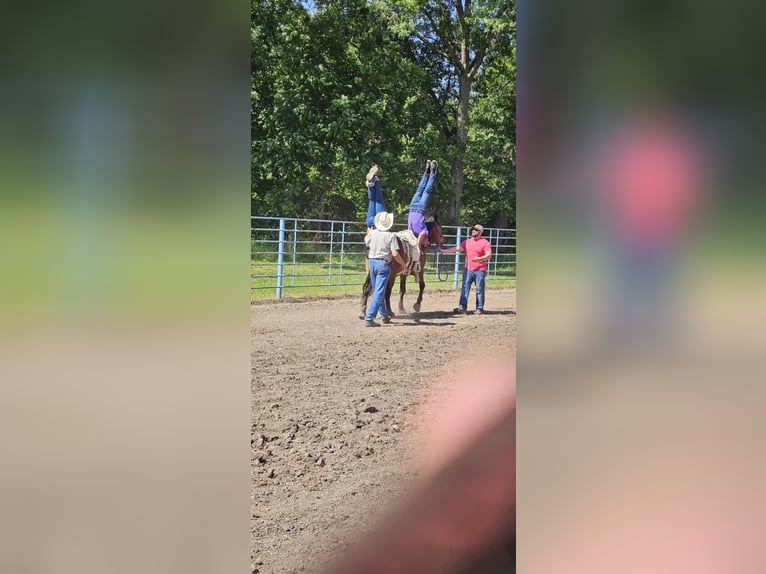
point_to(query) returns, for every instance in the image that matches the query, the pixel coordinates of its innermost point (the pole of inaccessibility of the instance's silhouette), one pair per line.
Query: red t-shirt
(650, 179)
(476, 247)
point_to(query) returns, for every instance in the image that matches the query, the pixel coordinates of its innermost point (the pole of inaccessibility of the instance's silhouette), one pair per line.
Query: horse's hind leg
(366, 290)
(389, 288)
(402, 291)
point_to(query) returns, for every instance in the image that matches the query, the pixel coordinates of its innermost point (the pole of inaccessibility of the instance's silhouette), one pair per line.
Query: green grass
(322, 280)
(134, 265)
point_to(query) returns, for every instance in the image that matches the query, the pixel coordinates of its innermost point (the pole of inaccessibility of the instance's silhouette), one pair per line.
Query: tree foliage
(338, 86)
(454, 38)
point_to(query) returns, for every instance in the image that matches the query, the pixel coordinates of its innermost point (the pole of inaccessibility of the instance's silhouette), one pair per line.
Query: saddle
(412, 251)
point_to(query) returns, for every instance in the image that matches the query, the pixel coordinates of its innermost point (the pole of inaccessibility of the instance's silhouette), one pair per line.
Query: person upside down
(419, 204)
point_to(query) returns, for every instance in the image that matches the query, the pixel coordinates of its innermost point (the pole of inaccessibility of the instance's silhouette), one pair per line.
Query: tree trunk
(464, 94)
(320, 214)
(457, 186)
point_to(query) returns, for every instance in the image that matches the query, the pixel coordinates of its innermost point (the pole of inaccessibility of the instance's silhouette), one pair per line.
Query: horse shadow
(427, 318)
(442, 318)
(508, 312)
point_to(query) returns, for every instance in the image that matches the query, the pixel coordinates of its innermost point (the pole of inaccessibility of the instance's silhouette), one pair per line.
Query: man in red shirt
(477, 252)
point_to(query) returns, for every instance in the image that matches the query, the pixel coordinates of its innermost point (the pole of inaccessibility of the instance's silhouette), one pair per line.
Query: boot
(434, 165)
(372, 173)
(428, 166)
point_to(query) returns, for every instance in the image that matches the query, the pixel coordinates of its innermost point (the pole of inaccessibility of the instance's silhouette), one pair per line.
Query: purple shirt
(417, 223)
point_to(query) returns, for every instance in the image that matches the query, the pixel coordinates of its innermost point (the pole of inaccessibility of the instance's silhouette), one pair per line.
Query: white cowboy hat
(384, 220)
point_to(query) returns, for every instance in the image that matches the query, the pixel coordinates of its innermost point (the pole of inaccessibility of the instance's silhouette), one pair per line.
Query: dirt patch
(335, 413)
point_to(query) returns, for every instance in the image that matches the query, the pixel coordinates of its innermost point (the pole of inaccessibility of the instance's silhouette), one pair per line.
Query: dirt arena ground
(336, 408)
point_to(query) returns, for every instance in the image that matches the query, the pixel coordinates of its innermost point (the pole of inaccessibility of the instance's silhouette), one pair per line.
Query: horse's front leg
(421, 283)
(402, 291)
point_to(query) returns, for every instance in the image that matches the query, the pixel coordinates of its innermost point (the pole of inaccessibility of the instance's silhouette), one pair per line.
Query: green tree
(490, 168)
(454, 37)
(332, 94)
(340, 85)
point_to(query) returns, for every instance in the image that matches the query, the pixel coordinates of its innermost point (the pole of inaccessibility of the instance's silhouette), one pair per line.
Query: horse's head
(435, 235)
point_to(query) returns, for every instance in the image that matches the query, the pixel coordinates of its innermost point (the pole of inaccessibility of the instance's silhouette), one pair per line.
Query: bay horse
(435, 237)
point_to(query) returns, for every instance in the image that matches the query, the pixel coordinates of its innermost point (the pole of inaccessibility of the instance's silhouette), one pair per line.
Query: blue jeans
(379, 272)
(375, 202)
(640, 294)
(423, 193)
(468, 278)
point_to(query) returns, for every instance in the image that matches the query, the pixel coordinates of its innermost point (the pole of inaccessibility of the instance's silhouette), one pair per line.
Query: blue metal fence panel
(315, 253)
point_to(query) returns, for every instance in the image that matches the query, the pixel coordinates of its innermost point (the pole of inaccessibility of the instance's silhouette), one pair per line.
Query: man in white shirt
(383, 248)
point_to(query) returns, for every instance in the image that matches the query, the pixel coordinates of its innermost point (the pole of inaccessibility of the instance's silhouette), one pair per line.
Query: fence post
(280, 257)
(332, 238)
(457, 258)
(499, 241)
(295, 249)
(490, 270)
(342, 251)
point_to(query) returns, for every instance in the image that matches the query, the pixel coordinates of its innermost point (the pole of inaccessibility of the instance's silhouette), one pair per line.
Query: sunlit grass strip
(307, 280)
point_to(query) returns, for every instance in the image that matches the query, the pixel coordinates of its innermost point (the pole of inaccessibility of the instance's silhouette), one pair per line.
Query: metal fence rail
(311, 253)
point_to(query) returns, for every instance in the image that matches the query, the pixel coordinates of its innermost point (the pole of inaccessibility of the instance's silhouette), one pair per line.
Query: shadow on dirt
(451, 314)
(429, 318)
(490, 313)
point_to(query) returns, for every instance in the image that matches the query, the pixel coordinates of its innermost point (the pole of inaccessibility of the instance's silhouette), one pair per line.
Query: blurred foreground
(459, 516)
(124, 299)
(641, 323)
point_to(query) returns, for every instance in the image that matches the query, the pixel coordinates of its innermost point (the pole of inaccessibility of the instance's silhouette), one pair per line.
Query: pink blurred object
(460, 518)
(650, 178)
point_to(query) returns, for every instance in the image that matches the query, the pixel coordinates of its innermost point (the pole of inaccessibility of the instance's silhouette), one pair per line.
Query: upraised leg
(421, 282)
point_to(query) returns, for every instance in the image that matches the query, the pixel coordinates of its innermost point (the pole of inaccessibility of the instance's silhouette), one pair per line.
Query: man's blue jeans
(468, 278)
(374, 202)
(379, 273)
(423, 193)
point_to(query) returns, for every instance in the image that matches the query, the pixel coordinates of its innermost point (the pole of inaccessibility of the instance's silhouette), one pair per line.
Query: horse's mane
(431, 222)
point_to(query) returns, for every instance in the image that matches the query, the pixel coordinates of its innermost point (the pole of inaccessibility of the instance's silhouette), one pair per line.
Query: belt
(418, 211)
(378, 258)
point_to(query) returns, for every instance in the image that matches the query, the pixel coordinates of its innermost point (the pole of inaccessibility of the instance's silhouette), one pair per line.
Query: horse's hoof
(416, 307)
